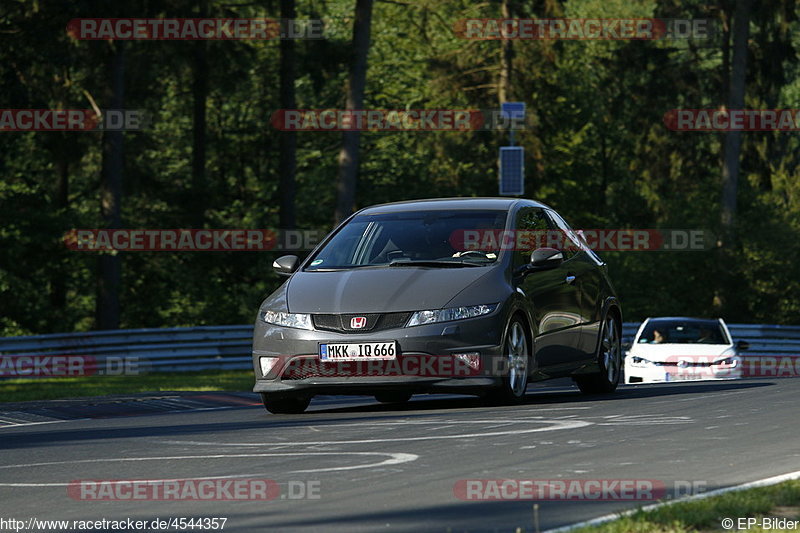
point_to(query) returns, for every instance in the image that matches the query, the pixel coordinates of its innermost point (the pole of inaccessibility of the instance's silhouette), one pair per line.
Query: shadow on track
(552, 396)
(172, 424)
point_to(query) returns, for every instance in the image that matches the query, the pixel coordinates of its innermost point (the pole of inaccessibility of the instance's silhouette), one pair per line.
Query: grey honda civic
(464, 295)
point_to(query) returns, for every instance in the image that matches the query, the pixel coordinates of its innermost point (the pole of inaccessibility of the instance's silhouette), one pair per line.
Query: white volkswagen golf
(681, 349)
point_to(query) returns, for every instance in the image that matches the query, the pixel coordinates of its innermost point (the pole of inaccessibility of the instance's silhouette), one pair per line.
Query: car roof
(444, 204)
(684, 319)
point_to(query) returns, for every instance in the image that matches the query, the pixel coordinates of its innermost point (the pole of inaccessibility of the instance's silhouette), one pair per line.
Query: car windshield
(412, 238)
(683, 332)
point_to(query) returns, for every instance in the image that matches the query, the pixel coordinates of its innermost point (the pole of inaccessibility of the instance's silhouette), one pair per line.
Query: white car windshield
(683, 332)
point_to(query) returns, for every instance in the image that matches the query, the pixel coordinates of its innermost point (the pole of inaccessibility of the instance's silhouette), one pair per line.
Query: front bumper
(371, 386)
(426, 361)
(654, 373)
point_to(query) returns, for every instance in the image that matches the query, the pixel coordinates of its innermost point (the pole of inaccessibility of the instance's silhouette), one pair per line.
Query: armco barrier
(228, 347)
(154, 350)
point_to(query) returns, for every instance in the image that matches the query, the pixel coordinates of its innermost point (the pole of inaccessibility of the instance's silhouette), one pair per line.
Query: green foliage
(706, 514)
(598, 150)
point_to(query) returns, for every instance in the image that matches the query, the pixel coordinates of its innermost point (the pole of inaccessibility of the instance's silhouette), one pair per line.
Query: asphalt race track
(394, 468)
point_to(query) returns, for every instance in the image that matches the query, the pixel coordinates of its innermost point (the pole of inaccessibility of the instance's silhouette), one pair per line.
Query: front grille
(684, 364)
(374, 322)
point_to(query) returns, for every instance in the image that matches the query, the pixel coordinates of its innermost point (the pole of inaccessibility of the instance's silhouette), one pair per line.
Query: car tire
(609, 358)
(517, 361)
(393, 397)
(285, 406)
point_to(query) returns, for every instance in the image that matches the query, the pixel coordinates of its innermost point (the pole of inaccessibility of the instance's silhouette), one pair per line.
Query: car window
(573, 240)
(532, 228)
(567, 241)
(683, 332)
(375, 240)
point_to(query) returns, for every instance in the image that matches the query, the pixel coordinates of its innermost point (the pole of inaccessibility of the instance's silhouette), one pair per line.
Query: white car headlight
(289, 320)
(451, 313)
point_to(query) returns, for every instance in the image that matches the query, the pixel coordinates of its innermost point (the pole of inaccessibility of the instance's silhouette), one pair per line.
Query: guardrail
(228, 347)
(153, 350)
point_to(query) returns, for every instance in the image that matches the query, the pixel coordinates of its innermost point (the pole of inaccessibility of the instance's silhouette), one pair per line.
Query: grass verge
(33, 389)
(701, 516)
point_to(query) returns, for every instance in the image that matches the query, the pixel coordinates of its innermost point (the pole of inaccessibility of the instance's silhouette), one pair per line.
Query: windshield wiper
(435, 263)
(340, 268)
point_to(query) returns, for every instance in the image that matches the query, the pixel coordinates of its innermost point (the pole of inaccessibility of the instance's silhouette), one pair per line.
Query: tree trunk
(733, 139)
(287, 162)
(726, 15)
(58, 281)
(727, 297)
(602, 198)
(507, 57)
(199, 194)
(107, 309)
(348, 156)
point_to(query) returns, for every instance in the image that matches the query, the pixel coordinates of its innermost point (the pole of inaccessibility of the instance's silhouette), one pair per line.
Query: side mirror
(285, 265)
(742, 345)
(545, 258)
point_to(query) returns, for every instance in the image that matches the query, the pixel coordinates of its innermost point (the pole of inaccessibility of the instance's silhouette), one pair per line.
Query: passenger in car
(708, 337)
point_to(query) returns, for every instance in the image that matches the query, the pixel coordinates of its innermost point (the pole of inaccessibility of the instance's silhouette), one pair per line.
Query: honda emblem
(358, 322)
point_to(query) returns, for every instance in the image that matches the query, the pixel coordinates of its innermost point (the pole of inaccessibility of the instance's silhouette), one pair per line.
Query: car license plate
(689, 375)
(358, 351)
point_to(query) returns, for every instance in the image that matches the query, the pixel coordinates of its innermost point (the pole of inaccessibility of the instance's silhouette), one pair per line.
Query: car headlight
(289, 320)
(451, 313)
(639, 361)
(728, 361)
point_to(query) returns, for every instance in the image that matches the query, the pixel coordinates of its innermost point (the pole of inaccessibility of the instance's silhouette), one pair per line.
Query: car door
(585, 267)
(551, 294)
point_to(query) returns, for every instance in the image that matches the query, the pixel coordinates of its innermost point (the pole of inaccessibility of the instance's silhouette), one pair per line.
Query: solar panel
(513, 110)
(512, 171)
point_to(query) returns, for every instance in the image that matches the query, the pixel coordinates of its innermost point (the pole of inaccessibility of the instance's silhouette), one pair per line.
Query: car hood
(379, 290)
(660, 353)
